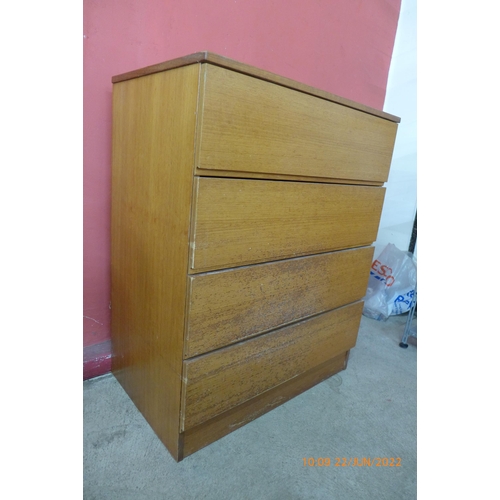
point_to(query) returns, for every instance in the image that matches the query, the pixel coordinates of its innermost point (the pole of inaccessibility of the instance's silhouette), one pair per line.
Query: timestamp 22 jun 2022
(352, 462)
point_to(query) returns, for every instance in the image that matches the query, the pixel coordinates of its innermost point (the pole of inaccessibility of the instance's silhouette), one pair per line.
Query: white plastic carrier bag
(392, 284)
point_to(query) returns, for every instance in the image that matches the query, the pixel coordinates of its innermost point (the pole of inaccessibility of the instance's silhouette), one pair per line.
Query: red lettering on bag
(384, 270)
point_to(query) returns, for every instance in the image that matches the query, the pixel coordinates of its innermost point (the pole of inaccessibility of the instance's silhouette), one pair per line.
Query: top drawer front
(239, 222)
(250, 125)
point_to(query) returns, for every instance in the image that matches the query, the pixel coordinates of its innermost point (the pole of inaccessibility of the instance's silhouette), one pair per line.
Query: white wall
(401, 100)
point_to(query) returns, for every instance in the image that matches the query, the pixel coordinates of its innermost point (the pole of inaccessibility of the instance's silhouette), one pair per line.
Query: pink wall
(341, 46)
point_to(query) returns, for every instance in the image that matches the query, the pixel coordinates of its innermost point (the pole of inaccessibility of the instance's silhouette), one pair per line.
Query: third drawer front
(239, 222)
(216, 382)
(230, 305)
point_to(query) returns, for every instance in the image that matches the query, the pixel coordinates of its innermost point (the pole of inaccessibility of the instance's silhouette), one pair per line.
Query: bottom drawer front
(218, 381)
(221, 425)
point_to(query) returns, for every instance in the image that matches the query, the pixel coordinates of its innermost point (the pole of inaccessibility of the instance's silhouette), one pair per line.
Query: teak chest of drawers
(244, 207)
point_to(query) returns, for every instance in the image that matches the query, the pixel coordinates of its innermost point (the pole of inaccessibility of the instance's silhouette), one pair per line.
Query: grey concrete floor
(367, 411)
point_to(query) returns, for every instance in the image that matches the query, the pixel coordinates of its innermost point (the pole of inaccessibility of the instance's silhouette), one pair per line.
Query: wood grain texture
(250, 125)
(229, 306)
(153, 137)
(247, 69)
(223, 379)
(206, 433)
(239, 222)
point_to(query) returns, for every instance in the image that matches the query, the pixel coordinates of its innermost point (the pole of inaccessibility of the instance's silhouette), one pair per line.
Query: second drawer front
(228, 306)
(238, 222)
(221, 380)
